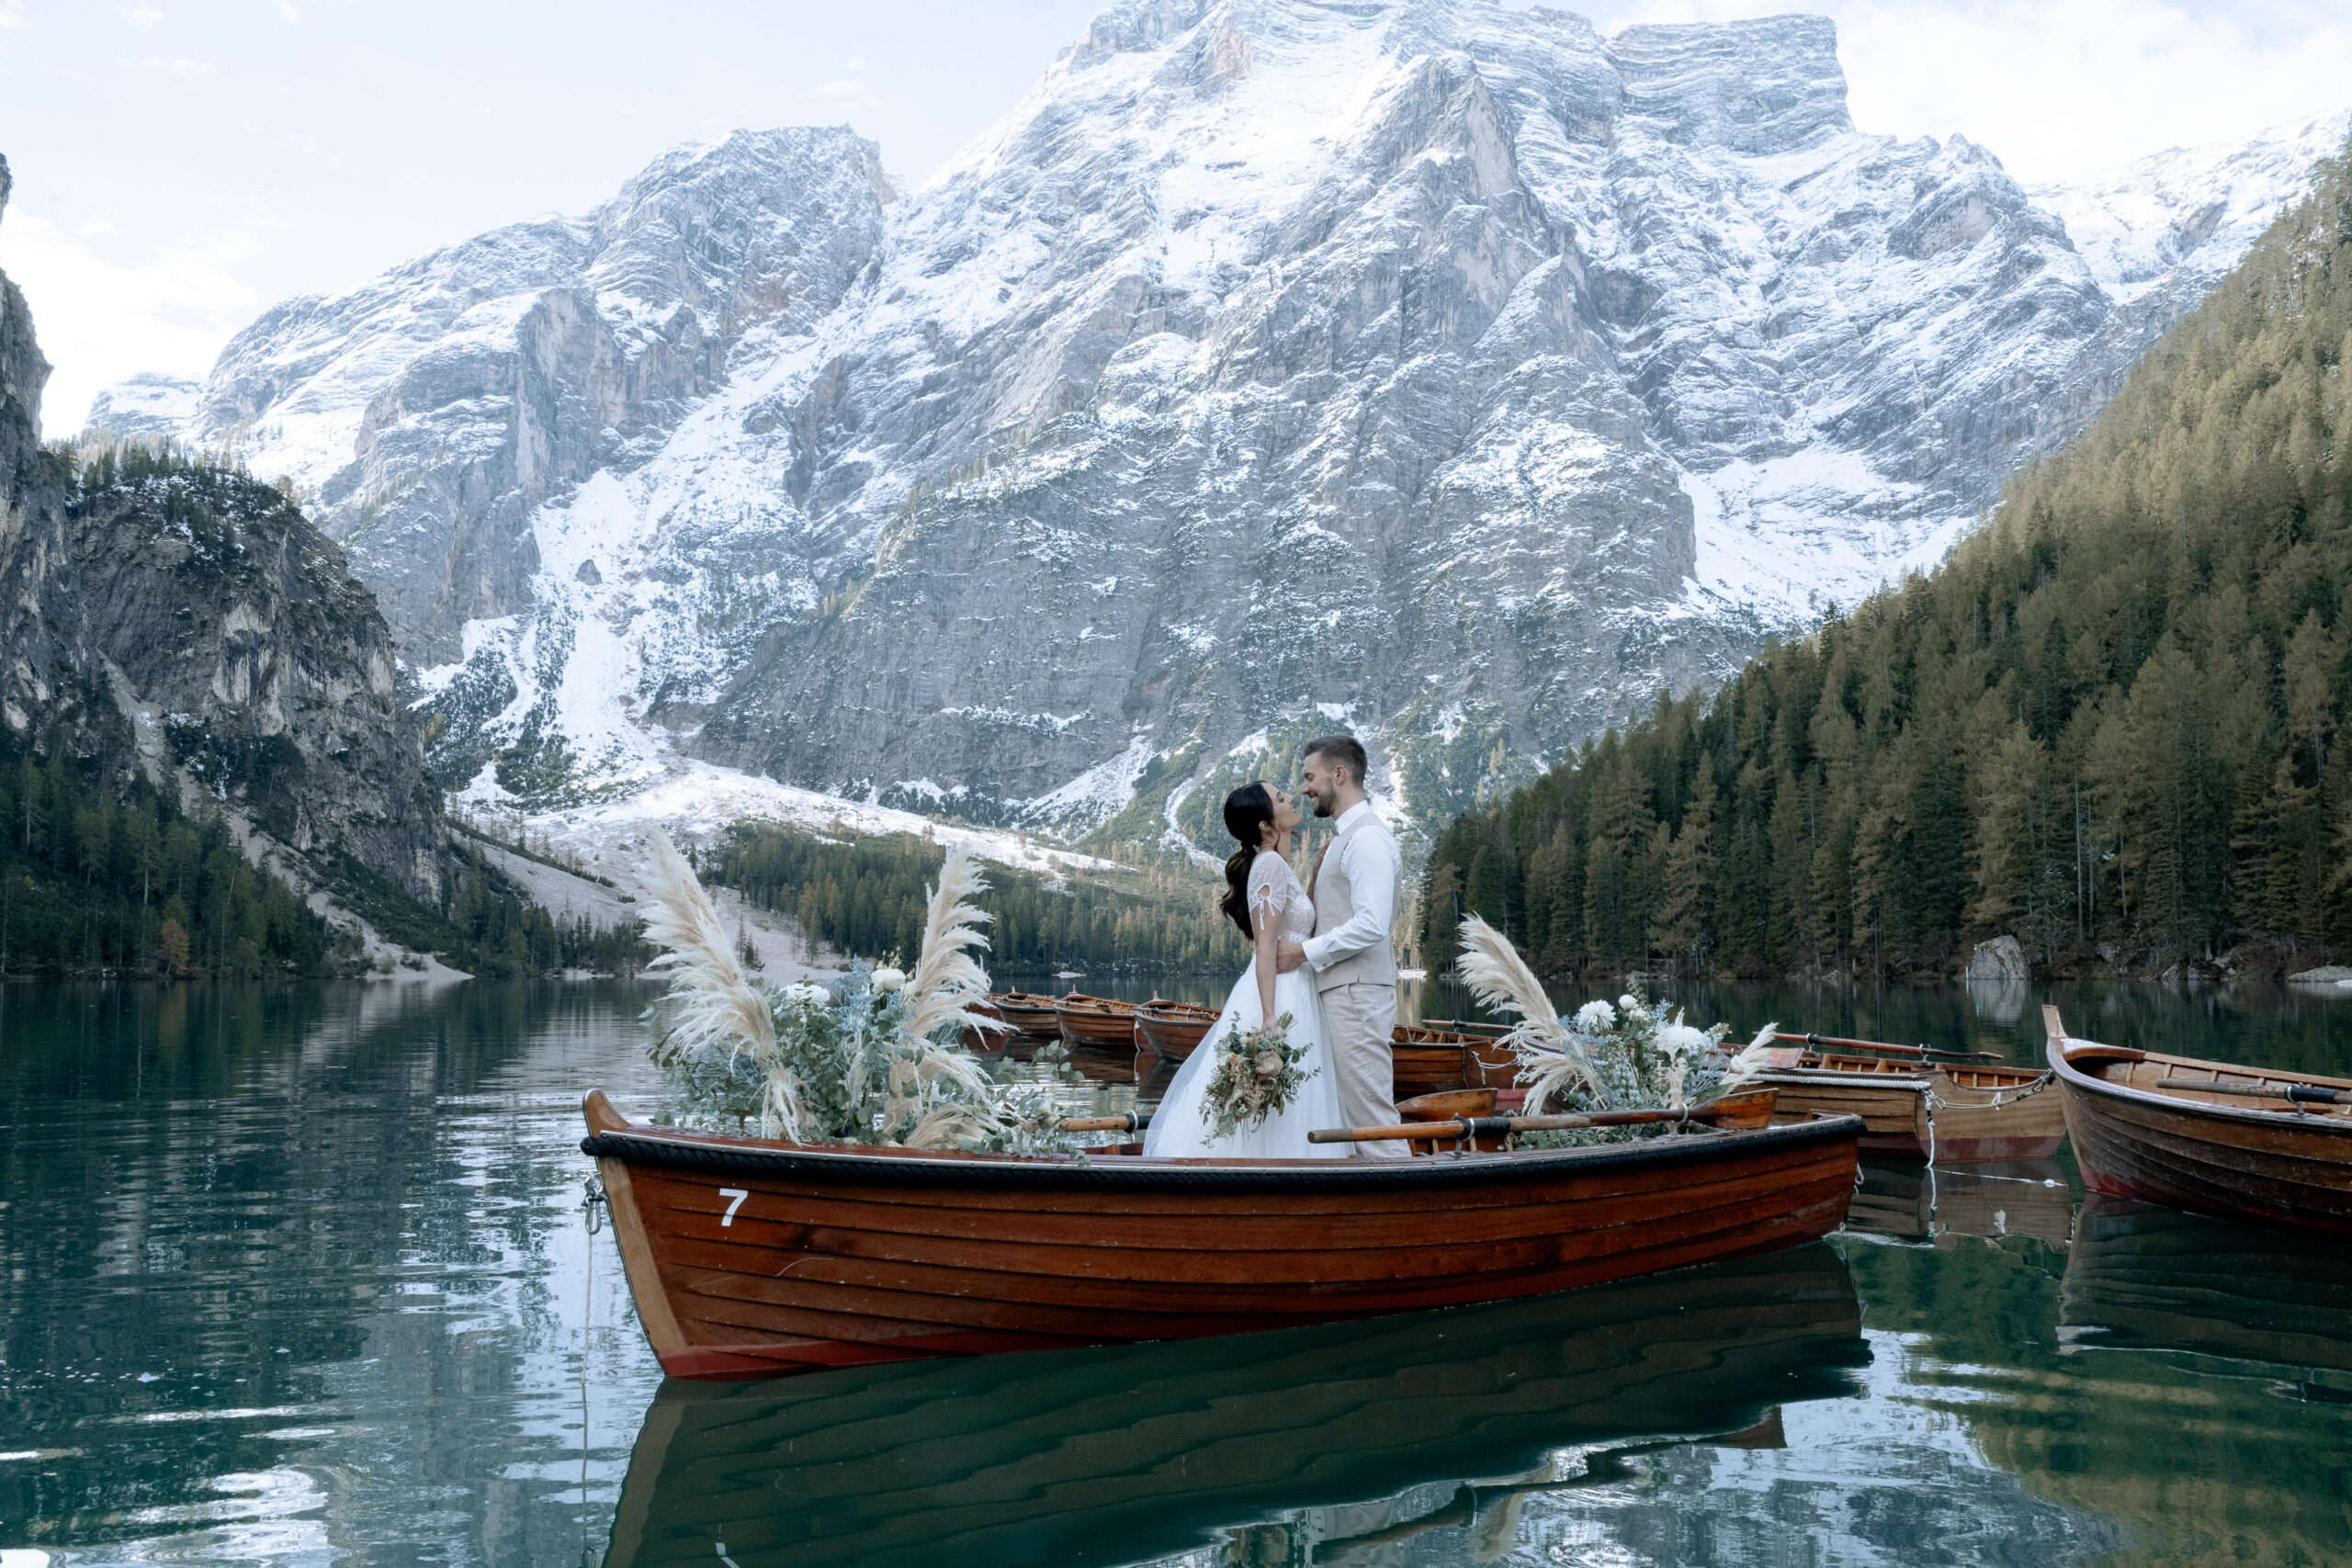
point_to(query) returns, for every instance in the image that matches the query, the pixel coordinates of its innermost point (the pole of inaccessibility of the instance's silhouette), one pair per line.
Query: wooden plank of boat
(1966, 1114)
(1138, 1452)
(2214, 1153)
(1095, 1020)
(1172, 1029)
(2144, 1276)
(1032, 1015)
(751, 1257)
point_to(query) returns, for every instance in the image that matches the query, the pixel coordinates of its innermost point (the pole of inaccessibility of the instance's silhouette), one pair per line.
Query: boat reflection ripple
(1121, 1454)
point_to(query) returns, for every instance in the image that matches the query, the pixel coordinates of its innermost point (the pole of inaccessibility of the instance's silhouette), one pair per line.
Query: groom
(1354, 887)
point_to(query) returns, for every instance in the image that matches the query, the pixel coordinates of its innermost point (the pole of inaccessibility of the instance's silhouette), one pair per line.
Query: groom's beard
(1322, 806)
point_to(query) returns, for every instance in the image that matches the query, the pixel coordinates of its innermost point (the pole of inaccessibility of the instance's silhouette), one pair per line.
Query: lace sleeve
(1268, 891)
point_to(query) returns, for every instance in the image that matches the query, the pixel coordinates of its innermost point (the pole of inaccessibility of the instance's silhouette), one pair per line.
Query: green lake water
(300, 1275)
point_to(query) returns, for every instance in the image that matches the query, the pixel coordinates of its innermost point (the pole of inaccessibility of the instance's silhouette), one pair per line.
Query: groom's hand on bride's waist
(1288, 956)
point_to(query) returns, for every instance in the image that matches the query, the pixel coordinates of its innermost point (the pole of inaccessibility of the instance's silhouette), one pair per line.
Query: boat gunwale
(1128, 1173)
(2241, 1116)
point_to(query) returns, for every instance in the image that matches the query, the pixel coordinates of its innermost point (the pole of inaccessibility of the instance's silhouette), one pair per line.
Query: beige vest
(1335, 903)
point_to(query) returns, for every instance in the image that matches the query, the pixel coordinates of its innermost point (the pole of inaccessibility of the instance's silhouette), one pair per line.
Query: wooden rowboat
(1085, 1458)
(1429, 1060)
(1031, 1016)
(1095, 1020)
(752, 1257)
(1171, 1029)
(2243, 1156)
(1957, 1113)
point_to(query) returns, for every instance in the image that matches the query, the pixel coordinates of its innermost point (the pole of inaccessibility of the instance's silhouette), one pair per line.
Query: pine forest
(2106, 725)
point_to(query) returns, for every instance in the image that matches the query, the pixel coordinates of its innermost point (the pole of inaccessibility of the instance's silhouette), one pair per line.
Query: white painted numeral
(736, 1193)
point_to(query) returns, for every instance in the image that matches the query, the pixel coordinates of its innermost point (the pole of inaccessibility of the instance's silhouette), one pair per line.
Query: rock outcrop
(179, 618)
(1450, 371)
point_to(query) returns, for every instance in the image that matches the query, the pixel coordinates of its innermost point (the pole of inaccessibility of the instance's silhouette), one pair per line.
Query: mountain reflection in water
(1111, 1455)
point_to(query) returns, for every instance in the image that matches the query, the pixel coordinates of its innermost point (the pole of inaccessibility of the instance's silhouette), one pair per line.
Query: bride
(1265, 898)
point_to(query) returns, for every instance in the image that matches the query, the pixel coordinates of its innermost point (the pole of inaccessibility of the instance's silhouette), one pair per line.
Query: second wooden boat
(1095, 1020)
(752, 1257)
(1950, 1112)
(2170, 1130)
(1031, 1015)
(1172, 1029)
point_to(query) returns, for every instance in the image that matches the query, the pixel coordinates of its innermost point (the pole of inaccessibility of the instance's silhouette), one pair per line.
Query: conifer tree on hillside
(2109, 721)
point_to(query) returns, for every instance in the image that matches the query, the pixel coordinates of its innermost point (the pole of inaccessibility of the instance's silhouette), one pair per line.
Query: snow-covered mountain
(1452, 371)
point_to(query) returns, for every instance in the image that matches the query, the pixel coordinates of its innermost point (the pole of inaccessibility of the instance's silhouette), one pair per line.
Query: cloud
(191, 67)
(841, 88)
(857, 64)
(2057, 92)
(143, 18)
(286, 11)
(99, 320)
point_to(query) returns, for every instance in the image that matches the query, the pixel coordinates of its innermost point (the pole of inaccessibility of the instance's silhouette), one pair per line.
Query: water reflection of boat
(2026, 1198)
(1114, 1455)
(2152, 1278)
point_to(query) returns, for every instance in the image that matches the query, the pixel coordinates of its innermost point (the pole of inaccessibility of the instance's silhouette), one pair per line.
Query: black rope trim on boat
(1115, 1174)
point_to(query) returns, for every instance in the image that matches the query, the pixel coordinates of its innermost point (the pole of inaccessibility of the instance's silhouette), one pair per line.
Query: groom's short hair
(1344, 750)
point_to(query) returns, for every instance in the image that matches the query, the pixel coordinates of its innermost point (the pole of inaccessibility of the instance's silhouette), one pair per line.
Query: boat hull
(1959, 1116)
(1092, 1021)
(2132, 1141)
(1032, 1017)
(753, 1259)
(1173, 1032)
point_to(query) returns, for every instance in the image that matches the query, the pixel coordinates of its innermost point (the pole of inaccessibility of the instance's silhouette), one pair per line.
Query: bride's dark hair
(1247, 809)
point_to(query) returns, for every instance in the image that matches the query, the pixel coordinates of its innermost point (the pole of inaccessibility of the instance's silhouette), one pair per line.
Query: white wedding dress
(1177, 1127)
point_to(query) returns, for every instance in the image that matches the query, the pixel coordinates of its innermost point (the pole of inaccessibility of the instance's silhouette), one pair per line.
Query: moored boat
(1171, 1029)
(753, 1257)
(1950, 1112)
(1095, 1020)
(1033, 1017)
(1427, 1059)
(2210, 1137)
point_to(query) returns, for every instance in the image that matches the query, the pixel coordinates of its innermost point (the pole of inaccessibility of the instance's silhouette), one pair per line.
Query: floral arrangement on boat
(1626, 1055)
(1257, 1076)
(873, 1057)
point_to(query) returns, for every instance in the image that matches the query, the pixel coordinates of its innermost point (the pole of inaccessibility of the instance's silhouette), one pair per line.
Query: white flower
(1595, 1018)
(1680, 1040)
(1628, 1003)
(890, 979)
(805, 993)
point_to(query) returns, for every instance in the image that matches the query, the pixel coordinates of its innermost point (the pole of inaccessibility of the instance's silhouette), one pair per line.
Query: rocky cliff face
(181, 619)
(1455, 373)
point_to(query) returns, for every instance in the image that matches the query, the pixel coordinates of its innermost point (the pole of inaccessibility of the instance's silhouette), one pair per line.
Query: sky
(179, 167)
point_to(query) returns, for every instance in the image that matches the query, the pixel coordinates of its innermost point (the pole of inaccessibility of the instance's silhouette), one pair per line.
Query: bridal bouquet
(1257, 1076)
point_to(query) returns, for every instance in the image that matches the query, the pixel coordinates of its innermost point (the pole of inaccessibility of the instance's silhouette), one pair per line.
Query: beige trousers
(1359, 1022)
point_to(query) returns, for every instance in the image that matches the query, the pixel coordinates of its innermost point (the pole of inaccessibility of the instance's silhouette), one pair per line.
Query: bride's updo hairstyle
(1247, 809)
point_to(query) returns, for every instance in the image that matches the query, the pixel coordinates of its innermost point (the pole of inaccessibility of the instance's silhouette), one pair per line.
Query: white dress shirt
(1374, 866)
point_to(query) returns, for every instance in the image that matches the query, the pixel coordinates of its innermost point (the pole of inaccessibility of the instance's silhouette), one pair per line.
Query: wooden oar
(1133, 1121)
(1746, 1111)
(2300, 1093)
(1834, 1042)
